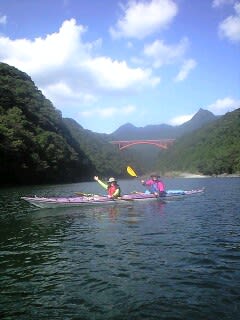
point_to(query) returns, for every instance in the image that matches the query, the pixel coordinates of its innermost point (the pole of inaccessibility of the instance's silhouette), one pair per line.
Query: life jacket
(112, 189)
(155, 186)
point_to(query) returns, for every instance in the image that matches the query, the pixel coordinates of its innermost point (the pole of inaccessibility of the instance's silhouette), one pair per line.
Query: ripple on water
(175, 260)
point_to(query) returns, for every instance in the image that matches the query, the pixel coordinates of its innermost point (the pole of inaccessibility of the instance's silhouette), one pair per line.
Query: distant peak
(201, 109)
(202, 113)
(128, 125)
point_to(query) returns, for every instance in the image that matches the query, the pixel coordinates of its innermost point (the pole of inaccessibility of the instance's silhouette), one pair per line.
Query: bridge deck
(160, 143)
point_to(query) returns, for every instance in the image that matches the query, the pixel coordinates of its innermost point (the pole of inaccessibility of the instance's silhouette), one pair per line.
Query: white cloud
(108, 112)
(221, 106)
(68, 70)
(180, 119)
(3, 19)
(187, 66)
(141, 18)
(162, 54)
(116, 74)
(55, 50)
(62, 94)
(220, 3)
(230, 27)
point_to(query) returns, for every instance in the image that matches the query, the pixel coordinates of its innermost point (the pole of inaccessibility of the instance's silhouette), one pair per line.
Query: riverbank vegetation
(37, 145)
(212, 150)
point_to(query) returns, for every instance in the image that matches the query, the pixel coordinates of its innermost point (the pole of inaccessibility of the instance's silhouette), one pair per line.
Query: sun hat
(155, 175)
(111, 180)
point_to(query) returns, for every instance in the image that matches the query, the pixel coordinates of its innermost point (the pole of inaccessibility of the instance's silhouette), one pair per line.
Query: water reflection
(174, 260)
(132, 211)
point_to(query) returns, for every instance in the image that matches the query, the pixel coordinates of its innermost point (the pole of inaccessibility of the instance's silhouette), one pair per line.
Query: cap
(111, 180)
(155, 175)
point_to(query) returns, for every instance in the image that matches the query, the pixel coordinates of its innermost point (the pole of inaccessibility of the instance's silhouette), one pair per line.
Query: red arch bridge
(162, 143)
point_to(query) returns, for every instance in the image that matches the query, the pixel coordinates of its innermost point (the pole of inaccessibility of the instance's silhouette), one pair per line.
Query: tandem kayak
(95, 200)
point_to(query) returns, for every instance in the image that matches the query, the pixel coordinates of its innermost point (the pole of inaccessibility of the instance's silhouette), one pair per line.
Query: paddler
(111, 186)
(155, 185)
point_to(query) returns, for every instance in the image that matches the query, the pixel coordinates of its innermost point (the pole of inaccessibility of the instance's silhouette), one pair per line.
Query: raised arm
(102, 184)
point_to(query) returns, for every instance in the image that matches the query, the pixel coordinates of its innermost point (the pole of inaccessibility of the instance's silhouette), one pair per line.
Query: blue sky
(107, 62)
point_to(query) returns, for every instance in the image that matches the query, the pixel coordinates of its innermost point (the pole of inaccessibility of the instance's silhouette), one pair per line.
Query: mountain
(201, 118)
(148, 155)
(163, 131)
(212, 149)
(130, 132)
(37, 145)
(105, 157)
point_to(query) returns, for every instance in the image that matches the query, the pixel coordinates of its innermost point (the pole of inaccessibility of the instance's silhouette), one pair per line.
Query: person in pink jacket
(155, 185)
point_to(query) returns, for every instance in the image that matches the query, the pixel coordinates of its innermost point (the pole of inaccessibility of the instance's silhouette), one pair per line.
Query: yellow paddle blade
(131, 172)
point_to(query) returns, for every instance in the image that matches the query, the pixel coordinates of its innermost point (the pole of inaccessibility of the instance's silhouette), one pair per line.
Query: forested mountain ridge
(149, 154)
(107, 159)
(163, 131)
(38, 146)
(213, 149)
(35, 145)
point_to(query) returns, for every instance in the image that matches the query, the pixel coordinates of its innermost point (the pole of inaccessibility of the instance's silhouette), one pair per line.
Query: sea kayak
(96, 200)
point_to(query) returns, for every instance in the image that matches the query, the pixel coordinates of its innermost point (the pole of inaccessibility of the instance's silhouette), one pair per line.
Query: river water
(173, 260)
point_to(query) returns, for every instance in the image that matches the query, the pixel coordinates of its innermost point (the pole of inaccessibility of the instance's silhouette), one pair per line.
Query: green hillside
(213, 149)
(107, 159)
(38, 146)
(35, 145)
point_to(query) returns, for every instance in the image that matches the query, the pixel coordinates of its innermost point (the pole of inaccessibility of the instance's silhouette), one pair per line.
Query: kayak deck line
(94, 200)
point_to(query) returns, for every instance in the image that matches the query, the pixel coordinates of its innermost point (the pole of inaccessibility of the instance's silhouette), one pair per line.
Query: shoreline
(188, 175)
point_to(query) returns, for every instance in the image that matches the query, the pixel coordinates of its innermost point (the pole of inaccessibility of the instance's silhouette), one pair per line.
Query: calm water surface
(175, 260)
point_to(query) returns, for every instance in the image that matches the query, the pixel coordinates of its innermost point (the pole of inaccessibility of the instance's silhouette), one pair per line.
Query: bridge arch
(161, 143)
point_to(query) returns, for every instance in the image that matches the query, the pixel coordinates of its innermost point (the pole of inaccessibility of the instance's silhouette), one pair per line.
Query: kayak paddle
(131, 172)
(82, 194)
